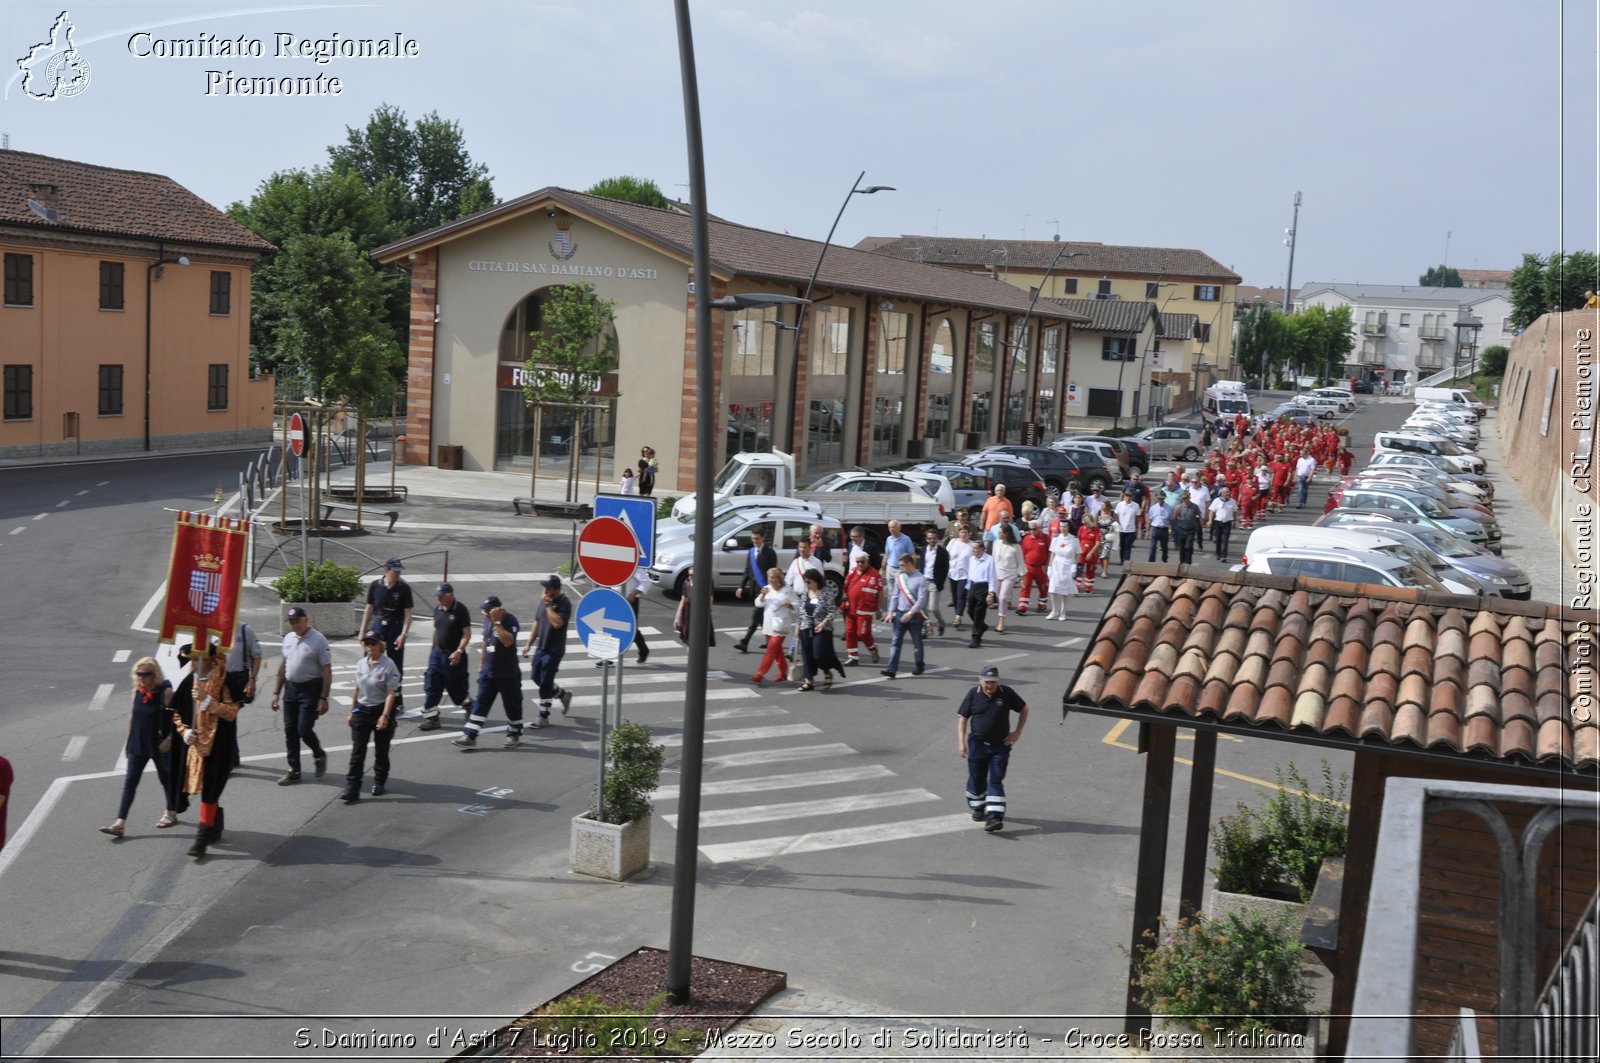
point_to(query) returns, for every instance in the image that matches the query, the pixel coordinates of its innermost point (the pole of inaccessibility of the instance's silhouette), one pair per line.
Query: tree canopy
(640, 190)
(1558, 282)
(1262, 340)
(576, 346)
(1440, 276)
(421, 171)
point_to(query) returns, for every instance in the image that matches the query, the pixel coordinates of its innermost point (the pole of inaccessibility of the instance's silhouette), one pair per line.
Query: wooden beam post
(1197, 832)
(1157, 811)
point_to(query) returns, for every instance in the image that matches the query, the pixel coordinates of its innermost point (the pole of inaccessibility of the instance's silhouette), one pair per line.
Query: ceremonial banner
(203, 579)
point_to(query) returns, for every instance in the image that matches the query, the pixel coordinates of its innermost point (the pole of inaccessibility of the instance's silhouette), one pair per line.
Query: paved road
(834, 840)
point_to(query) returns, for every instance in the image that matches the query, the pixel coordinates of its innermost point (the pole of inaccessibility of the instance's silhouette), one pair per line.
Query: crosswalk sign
(638, 514)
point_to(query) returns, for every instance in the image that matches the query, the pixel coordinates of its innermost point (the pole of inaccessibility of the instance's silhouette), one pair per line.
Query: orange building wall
(66, 337)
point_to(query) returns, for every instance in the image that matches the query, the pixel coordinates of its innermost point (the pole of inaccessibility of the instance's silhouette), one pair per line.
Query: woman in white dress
(1007, 569)
(1064, 551)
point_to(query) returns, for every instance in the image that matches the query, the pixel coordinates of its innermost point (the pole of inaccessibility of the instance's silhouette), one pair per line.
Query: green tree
(1527, 291)
(1440, 276)
(1263, 339)
(422, 170)
(1492, 362)
(640, 190)
(1568, 278)
(569, 357)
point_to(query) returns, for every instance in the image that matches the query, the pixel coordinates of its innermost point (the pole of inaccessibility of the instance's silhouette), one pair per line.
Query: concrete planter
(1219, 904)
(614, 851)
(1170, 1041)
(336, 620)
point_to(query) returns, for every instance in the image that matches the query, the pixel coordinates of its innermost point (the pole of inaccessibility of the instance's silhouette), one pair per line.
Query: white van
(1226, 398)
(1456, 396)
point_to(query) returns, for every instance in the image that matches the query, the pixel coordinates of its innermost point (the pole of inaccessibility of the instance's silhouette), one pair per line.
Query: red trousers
(1033, 576)
(773, 655)
(858, 626)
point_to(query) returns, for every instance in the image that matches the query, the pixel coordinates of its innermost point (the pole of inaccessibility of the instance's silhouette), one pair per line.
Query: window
(887, 417)
(891, 354)
(1203, 332)
(1405, 320)
(983, 356)
(1104, 287)
(1116, 349)
(1069, 286)
(110, 390)
(217, 387)
(19, 391)
(19, 280)
(1207, 293)
(830, 340)
(755, 339)
(1152, 289)
(1552, 376)
(110, 286)
(221, 291)
(1104, 402)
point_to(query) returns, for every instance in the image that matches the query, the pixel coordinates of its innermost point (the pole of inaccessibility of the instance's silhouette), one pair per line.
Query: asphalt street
(835, 843)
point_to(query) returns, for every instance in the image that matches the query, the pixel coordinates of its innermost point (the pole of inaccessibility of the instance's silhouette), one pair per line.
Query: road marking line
(1112, 739)
(83, 492)
(149, 608)
(75, 746)
(1008, 657)
(658, 697)
(749, 734)
(790, 781)
(735, 817)
(746, 711)
(18, 531)
(777, 756)
(103, 483)
(1070, 642)
(480, 529)
(101, 693)
(41, 516)
(120, 656)
(64, 502)
(764, 848)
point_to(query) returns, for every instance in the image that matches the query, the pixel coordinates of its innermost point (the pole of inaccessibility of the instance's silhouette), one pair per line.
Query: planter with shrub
(1268, 858)
(327, 593)
(612, 839)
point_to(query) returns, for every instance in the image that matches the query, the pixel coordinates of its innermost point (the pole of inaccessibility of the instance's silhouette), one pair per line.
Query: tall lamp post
(1144, 361)
(1021, 332)
(680, 946)
(800, 317)
(151, 272)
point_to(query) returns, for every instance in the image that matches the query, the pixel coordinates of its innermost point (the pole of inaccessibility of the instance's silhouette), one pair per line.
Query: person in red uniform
(863, 589)
(1089, 547)
(1345, 458)
(1280, 482)
(1035, 559)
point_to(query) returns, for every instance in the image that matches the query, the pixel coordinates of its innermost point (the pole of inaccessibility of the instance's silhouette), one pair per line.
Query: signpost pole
(600, 778)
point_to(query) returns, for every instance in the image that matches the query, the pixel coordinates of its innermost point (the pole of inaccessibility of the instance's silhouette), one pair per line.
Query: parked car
(1439, 465)
(1347, 566)
(1322, 406)
(1420, 443)
(968, 485)
(1296, 413)
(902, 483)
(1170, 444)
(1464, 489)
(1129, 451)
(1342, 396)
(1023, 482)
(1058, 467)
(1416, 489)
(1482, 531)
(785, 525)
(1499, 576)
(1362, 387)
(1374, 538)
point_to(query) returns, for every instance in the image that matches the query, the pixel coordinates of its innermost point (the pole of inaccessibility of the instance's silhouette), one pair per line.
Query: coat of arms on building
(562, 247)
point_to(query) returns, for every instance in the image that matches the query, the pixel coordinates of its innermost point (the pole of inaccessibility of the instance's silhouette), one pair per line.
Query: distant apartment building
(1485, 278)
(126, 317)
(1178, 281)
(1404, 333)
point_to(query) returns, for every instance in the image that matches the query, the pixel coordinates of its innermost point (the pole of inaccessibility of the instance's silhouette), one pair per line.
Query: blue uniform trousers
(986, 777)
(489, 687)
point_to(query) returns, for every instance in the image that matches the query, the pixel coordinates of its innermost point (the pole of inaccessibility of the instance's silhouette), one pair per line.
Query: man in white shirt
(1302, 474)
(1127, 512)
(1223, 510)
(982, 582)
(1199, 493)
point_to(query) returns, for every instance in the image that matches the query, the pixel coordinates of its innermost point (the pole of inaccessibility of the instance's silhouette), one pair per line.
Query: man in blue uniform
(984, 739)
(447, 659)
(548, 645)
(390, 605)
(499, 674)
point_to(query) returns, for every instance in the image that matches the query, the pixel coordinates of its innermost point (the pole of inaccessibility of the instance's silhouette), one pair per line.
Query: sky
(1416, 131)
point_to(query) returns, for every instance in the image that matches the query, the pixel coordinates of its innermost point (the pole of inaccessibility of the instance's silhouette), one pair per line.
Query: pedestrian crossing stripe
(789, 781)
(748, 734)
(778, 756)
(847, 837)
(830, 806)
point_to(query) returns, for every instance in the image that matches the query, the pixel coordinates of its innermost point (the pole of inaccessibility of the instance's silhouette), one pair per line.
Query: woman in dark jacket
(817, 608)
(213, 741)
(149, 739)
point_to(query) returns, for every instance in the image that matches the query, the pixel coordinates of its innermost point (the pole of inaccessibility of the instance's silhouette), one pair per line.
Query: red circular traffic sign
(297, 435)
(608, 552)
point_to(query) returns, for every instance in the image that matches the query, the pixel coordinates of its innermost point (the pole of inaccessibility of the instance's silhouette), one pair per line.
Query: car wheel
(679, 584)
(1058, 485)
(1100, 482)
(836, 583)
(1191, 454)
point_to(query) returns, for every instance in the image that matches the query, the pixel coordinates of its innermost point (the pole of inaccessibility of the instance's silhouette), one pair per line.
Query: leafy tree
(1440, 276)
(575, 347)
(1263, 339)
(422, 171)
(1320, 338)
(1492, 362)
(640, 190)
(1561, 282)
(1527, 291)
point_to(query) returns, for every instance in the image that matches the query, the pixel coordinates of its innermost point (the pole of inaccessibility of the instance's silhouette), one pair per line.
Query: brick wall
(869, 377)
(419, 360)
(690, 397)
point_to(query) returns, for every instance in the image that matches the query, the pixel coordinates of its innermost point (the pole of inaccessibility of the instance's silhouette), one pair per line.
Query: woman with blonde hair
(149, 739)
(213, 741)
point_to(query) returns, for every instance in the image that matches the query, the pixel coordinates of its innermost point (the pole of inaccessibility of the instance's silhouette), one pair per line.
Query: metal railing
(1382, 1026)
(1464, 1042)
(1564, 1021)
(1432, 332)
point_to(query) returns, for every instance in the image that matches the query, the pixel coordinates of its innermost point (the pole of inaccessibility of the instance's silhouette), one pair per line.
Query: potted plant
(326, 591)
(1268, 859)
(612, 841)
(1229, 987)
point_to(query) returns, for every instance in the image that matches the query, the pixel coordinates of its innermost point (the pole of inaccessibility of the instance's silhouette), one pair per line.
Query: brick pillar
(869, 377)
(800, 407)
(688, 427)
(1061, 378)
(963, 414)
(419, 360)
(919, 413)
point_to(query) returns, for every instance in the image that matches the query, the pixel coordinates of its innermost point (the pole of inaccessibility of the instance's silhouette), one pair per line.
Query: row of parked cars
(1421, 514)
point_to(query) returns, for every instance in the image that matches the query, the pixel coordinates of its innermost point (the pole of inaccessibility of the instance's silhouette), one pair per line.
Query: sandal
(807, 685)
(115, 830)
(167, 820)
(827, 681)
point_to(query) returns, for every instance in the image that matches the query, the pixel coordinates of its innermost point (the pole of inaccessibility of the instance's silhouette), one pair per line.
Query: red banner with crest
(203, 579)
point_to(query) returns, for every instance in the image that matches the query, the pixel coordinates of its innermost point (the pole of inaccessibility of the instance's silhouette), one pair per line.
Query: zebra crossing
(759, 800)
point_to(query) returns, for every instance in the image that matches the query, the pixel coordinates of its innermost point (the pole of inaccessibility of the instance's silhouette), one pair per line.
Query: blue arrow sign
(605, 612)
(638, 514)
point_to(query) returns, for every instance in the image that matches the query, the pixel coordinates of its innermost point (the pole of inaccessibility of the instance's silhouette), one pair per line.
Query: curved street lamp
(151, 272)
(794, 355)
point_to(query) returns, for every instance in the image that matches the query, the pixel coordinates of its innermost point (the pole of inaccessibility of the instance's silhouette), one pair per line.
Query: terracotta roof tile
(1093, 259)
(1410, 725)
(1451, 676)
(1344, 714)
(1444, 729)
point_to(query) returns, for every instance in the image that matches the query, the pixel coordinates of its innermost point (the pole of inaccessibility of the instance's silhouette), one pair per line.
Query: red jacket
(863, 590)
(1035, 550)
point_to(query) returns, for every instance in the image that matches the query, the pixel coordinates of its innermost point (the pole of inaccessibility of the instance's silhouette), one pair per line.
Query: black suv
(1022, 481)
(1129, 451)
(1058, 468)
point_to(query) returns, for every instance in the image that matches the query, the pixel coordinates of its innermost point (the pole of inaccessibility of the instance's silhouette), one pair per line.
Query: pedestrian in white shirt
(1127, 512)
(960, 551)
(794, 578)
(1064, 554)
(1222, 511)
(1302, 474)
(1199, 493)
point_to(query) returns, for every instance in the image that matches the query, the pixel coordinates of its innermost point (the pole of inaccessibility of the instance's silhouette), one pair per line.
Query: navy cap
(990, 671)
(373, 635)
(553, 582)
(395, 564)
(489, 603)
(444, 589)
(295, 613)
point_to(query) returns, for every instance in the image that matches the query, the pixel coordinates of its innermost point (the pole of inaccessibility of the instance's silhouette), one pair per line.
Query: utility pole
(1288, 282)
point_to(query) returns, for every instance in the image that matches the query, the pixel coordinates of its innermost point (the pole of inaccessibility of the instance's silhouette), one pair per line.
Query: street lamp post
(1021, 332)
(151, 272)
(1144, 361)
(800, 317)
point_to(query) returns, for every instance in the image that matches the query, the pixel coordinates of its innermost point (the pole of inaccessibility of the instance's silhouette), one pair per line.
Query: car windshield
(1444, 545)
(1233, 405)
(730, 472)
(1430, 508)
(830, 482)
(1412, 576)
(1409, 553)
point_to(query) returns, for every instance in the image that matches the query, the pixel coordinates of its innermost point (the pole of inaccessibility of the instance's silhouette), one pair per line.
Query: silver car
(1171, 444)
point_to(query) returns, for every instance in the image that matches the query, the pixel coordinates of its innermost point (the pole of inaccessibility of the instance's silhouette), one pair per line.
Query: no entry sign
(297, 435)
(607, 551)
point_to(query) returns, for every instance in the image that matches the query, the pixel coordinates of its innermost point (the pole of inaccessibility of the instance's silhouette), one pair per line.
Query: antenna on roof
(49, 214)
(1057, 223)
(5, 141)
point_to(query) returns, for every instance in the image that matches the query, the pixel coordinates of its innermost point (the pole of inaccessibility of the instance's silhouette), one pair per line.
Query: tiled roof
(1092, 259)
(1386, 667)
(757, 254)
(1403, 294)
(1177, 326)
(1249, 293)
(1486, 278)
(99, 199)
(1111, 315)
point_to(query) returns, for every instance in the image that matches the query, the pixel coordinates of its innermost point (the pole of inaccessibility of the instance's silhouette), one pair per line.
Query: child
(630, 486)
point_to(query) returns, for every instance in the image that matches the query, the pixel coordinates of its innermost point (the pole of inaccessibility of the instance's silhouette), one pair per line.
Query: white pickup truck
(769, 475)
